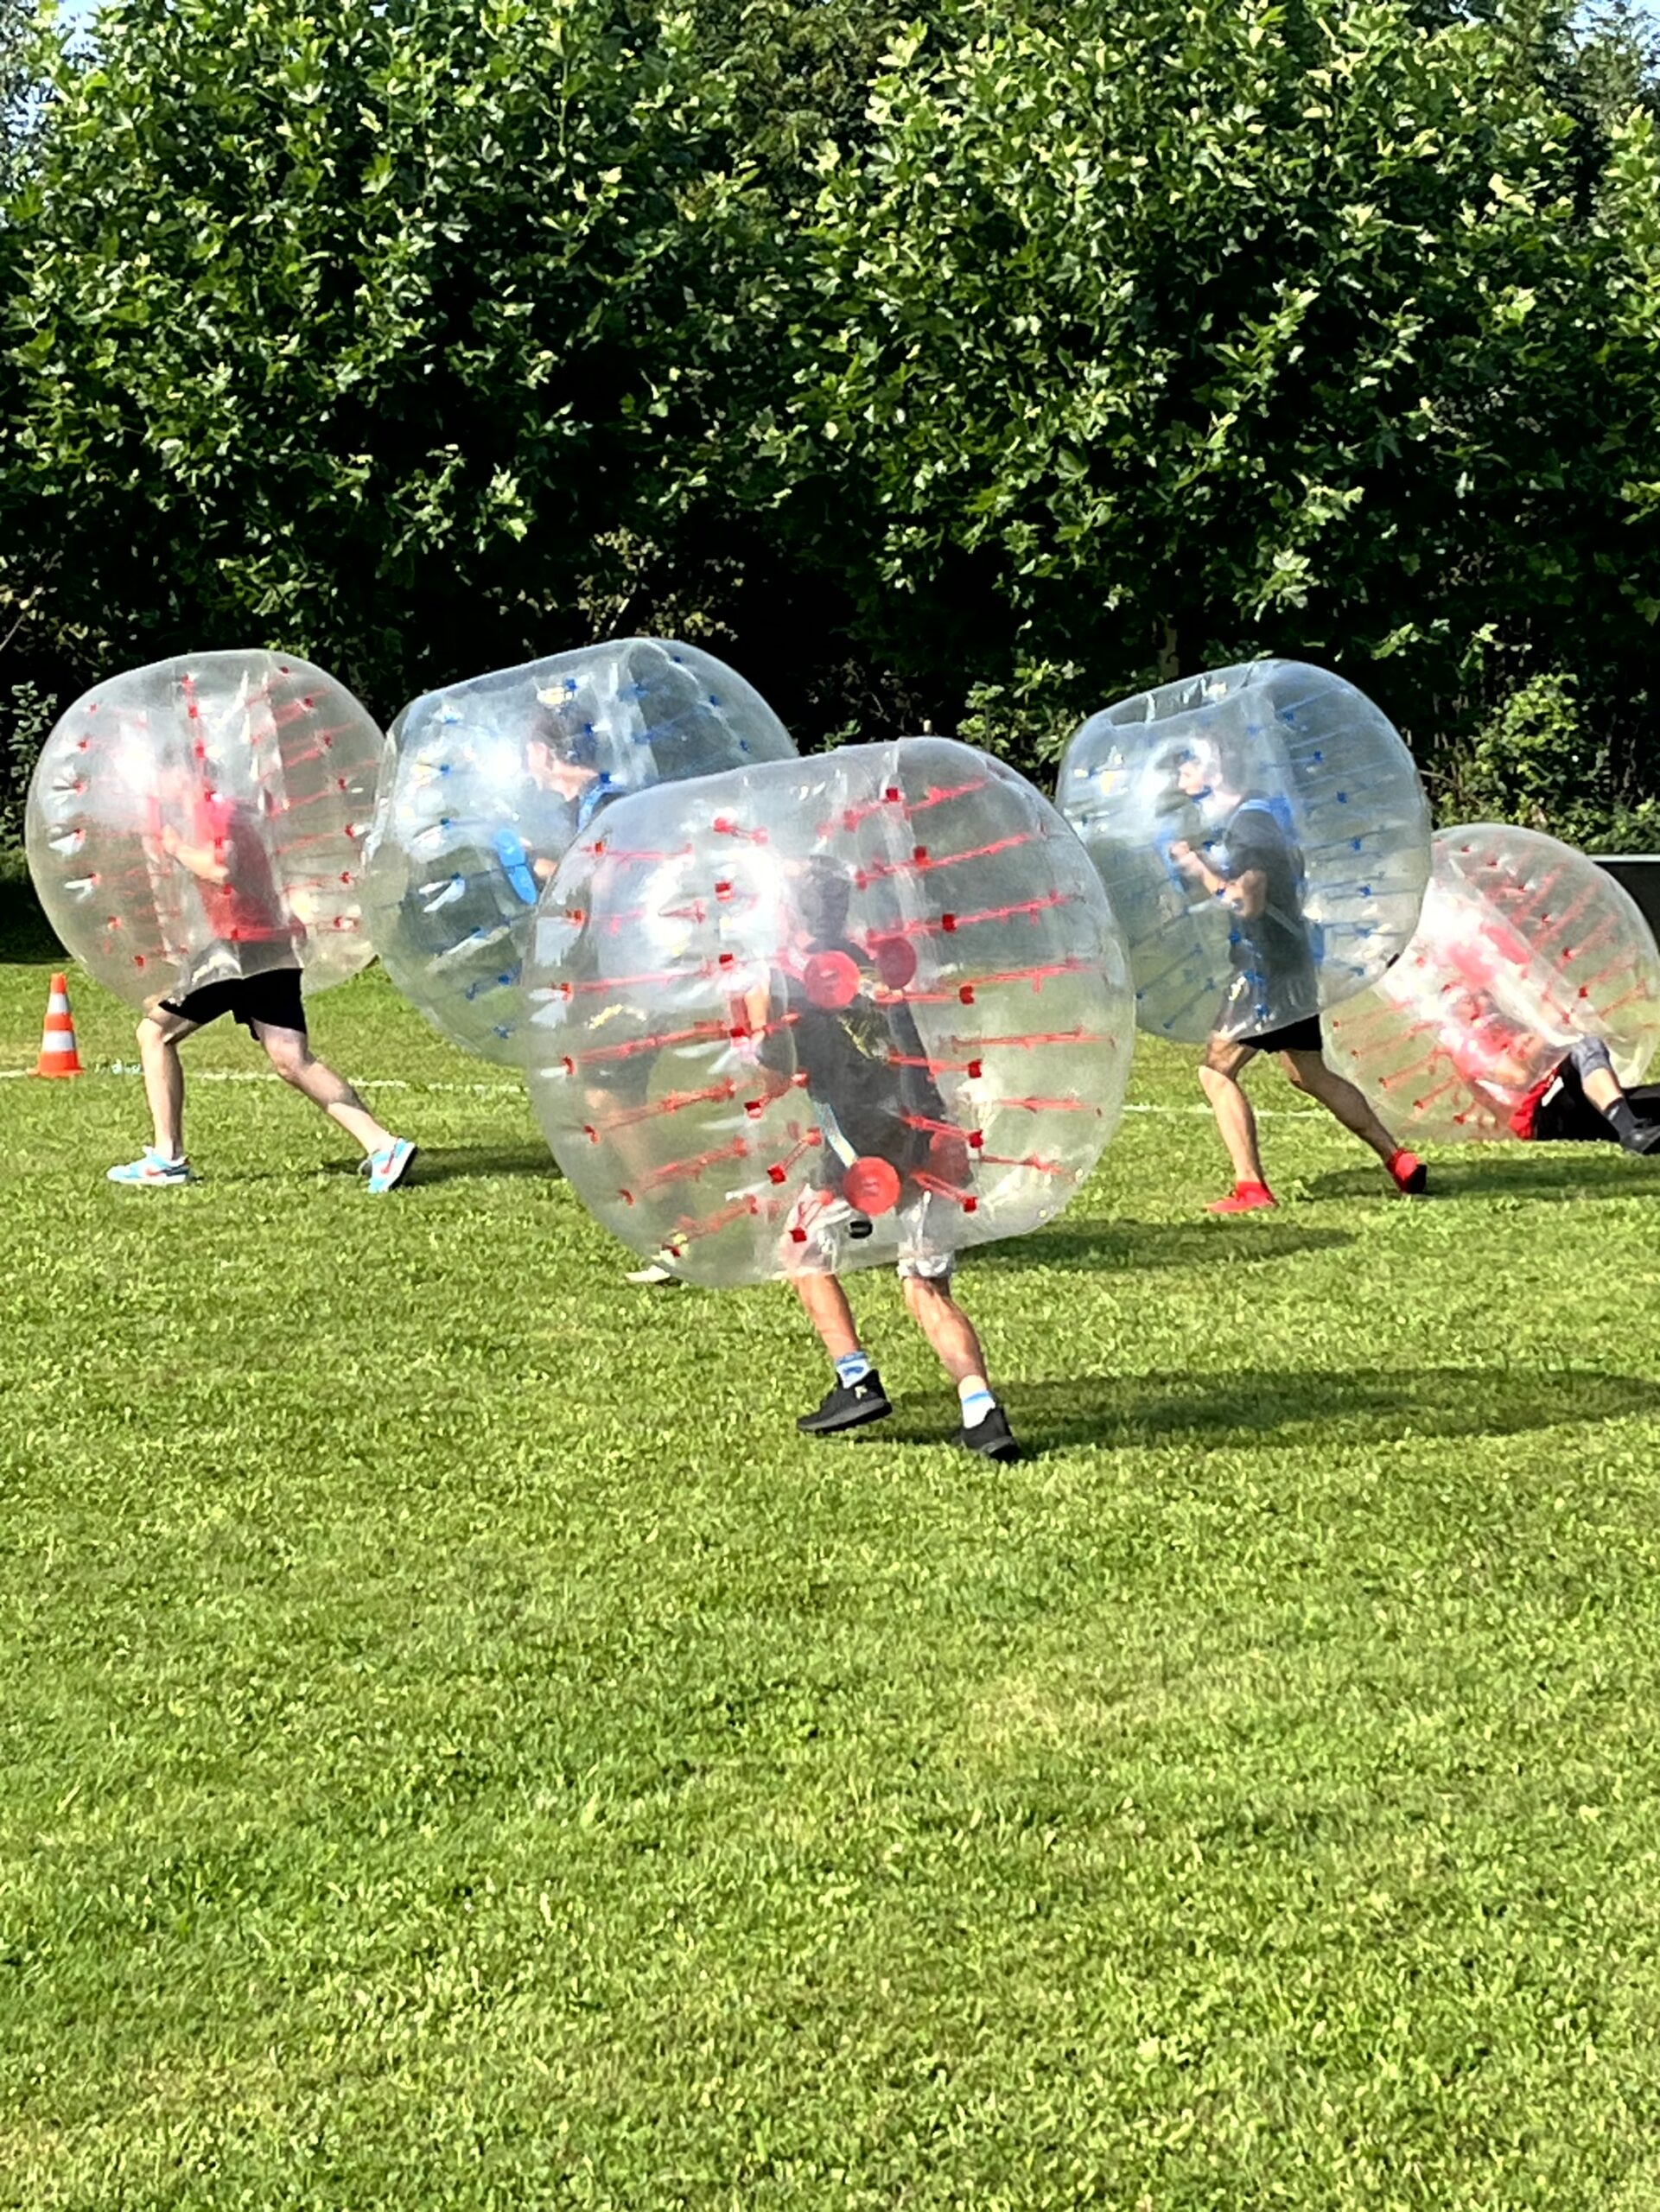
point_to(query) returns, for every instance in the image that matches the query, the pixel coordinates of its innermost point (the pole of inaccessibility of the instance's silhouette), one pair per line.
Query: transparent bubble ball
(486, 782)
(203, 820)
(825, 1013)
(1525, 947)
(1279, 777)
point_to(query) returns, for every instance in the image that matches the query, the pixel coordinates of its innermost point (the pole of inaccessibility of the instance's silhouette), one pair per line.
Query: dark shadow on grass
(1135, 1245)
(478, 1163)
(1330, 1407)
(1572, 1172)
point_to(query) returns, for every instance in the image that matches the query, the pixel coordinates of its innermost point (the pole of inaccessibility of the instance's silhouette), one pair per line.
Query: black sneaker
(991, 1437)
(1647, 1139)
(848, 1405)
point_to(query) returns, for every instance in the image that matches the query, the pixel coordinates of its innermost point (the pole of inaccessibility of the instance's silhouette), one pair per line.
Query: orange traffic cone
(58, 1053)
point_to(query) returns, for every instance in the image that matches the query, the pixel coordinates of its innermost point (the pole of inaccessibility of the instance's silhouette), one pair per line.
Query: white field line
(510, 1089)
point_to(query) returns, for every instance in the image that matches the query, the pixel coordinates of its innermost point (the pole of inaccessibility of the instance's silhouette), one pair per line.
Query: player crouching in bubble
(1254, 868)
(222, 850)
(887, 1138)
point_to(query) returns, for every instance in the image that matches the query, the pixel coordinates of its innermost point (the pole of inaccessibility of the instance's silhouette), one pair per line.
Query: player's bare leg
(159, 1034)
(289, 1052)
(1308, 1072)
(1225, 1060)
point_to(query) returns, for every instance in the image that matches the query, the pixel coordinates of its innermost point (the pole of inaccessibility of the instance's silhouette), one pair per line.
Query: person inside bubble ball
(1583, 1100)
(875, 1103)
(1497, 1045)
(562, 764)
(1250, 863)
(1580, 1101)
(216, 843)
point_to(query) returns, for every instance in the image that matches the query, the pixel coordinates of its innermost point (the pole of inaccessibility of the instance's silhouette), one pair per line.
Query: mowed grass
(463, 1748)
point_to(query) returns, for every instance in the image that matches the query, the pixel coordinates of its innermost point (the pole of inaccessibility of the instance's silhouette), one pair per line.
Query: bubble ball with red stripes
(1264, 839)
(203, 820)
(828, 1013)
(1524, 947)
(486, 784)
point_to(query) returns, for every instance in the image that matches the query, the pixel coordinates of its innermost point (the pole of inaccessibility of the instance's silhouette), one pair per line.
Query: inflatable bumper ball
(1264, 839)
(203, 820)
(1525, 947)
(486, 783)
(827, 1012)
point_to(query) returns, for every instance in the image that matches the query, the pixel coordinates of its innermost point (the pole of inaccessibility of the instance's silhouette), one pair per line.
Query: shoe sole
(859, 1418)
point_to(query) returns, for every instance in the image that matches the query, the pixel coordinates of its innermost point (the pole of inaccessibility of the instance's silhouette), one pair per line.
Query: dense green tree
(1171, 332)
(364, 325)
(977, 356)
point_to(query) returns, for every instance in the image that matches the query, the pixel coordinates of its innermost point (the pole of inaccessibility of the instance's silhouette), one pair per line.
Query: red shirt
(248, 908)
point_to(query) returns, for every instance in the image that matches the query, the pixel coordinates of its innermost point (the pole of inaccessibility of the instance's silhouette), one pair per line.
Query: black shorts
(273, 998)
(1296, 1037)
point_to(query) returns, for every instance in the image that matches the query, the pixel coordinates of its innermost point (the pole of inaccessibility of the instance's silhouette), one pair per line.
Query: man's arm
(199, 859)
(1246, 894)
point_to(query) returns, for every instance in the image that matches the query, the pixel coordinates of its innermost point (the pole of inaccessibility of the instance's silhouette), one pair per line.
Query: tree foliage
(979, 361)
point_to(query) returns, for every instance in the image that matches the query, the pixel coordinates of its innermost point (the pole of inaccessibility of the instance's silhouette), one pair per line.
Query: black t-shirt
(848, 1055)
(1270, 948)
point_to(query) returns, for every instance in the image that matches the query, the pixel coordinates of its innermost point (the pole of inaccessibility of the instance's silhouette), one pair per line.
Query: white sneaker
(154, 1171)
(653, 1271)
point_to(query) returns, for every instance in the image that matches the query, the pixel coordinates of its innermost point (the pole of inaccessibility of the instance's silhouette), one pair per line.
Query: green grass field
(463, 1748)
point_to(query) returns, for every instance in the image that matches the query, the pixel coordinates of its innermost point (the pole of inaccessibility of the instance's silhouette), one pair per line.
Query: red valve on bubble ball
(896, 961)
(831, 979)
(871, 1185)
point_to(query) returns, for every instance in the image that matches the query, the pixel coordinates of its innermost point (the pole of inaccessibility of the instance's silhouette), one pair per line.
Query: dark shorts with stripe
(273, 998)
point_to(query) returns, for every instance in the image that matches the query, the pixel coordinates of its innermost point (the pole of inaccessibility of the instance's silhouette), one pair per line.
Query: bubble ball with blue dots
(486, 783)
(1263, 837)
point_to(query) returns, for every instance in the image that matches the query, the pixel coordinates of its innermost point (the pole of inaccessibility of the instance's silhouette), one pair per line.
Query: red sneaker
(1244, 1197)
(1407, 1172)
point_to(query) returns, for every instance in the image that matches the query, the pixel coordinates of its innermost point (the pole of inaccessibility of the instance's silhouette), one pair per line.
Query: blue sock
(851, 1368)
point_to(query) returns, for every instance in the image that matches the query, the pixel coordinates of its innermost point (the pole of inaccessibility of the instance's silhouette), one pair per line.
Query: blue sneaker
(154, 1171)
(387, 1169)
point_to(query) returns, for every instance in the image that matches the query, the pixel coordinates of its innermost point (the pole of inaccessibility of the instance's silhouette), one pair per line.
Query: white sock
(977, 1401)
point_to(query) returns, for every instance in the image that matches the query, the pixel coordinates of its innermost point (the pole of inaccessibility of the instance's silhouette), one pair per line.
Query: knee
(150, 1035)
(1296, 1074)
(290, 1061)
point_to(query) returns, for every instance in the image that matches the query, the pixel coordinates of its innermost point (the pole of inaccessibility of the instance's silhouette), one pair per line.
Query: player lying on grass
(1581, 1101)
(873, 1109)
(222, 849)
(1253, 866)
